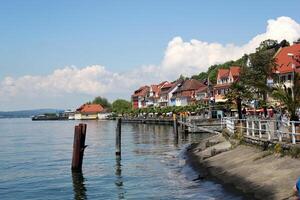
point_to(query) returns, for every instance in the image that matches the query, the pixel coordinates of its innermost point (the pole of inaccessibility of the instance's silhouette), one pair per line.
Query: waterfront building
(288, 63)
(139, 97)
(166, 93)
(185, 93)
(152, 97)
(202, 95)
(88, 111)
(225, 78)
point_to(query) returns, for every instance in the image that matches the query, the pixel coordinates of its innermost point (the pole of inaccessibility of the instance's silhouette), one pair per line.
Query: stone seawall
(257, 173)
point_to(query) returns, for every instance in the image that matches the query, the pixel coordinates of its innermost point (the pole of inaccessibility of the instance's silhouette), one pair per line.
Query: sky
(62, 53)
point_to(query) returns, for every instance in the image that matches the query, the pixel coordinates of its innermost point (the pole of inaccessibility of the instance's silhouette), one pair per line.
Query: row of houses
(185, 92)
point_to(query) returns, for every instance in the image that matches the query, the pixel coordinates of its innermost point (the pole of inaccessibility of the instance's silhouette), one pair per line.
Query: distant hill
(26, 113)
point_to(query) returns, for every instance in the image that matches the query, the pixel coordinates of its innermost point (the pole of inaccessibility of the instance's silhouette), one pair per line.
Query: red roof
(142, 91)
(235, 71)
(224, 85)
(223, 73)
(162, 84)
(90, 108)
(191, 84)
(284, 62)
(155, 88)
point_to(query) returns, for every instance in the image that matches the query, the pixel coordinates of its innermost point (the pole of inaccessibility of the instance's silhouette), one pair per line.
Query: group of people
(272, 113)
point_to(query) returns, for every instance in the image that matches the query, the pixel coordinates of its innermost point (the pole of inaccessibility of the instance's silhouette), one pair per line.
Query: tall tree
(261, 68)
(267, 44)
(237, 94)
(121, 106)
(102, 101)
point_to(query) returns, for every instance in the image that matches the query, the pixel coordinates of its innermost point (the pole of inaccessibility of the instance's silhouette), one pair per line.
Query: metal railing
(283, 131)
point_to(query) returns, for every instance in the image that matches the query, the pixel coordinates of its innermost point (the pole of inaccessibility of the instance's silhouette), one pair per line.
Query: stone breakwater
(258, 174)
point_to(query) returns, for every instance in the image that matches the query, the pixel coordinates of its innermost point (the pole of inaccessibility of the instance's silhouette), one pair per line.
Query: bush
(295, 152)
(278, 148)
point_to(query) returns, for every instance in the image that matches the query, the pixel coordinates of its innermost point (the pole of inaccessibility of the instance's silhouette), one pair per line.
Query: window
(289, 77)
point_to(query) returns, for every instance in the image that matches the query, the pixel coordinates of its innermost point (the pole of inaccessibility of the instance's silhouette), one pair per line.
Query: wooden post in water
(78, 147)
(175, 126)
(118, 137)
(181, 120)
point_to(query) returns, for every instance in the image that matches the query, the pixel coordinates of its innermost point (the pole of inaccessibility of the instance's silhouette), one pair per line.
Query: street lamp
(293, 67)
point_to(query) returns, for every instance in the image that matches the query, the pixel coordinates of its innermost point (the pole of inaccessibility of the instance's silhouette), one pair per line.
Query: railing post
(241, 124)
(221, 123)
(247, 126)
(268, 131)
(293, 133)
(279, 135)
(253, 126)
(233, 126)
(259, 124)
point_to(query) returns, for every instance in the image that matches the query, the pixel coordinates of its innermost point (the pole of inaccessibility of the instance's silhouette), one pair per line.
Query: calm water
(35, 160)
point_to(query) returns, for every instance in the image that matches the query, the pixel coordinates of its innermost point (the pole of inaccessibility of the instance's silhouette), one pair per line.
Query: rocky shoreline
(256, 173)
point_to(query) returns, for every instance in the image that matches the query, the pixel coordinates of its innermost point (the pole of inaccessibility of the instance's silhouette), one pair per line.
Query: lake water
(35, 160)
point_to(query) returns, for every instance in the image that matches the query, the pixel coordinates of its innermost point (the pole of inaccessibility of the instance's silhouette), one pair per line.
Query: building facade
(225, 78)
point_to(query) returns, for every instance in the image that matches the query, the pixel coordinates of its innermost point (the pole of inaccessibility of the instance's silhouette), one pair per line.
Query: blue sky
(39, 36)
(60, 54)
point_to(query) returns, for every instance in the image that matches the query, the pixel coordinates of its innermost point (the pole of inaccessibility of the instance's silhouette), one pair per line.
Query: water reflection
(119, 178)
(78, 186)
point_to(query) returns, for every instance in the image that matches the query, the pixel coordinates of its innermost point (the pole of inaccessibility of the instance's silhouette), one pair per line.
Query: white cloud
(195, 56)
(71, 85)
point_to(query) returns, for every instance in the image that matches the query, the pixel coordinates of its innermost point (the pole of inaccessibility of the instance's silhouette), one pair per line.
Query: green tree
(267, 44)
(121, 106)
(201, 76)
(290, 97)
(238, 93)
(102, 101)
(260, 69)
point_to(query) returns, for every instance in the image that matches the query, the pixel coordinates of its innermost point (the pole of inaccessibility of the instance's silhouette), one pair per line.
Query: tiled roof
(284, 62)
(188, 88)
(191, 84)
(142, 91)
(223, 73)
(225, 85)
(155, 88)
(235, 71)
(90, 108)
(167, 88)
(162, 84)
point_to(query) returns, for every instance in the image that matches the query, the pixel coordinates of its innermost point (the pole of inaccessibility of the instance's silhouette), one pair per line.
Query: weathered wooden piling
(181, 124)
(118, 137)
(175, 126)
(78, 146)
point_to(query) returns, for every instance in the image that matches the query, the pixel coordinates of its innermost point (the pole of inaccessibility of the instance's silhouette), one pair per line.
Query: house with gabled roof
(139, 97)
(225, 78)
(166, 93)
(88, 111)
(287, 63)
(153, 94)
(185, 93)
(202, 94)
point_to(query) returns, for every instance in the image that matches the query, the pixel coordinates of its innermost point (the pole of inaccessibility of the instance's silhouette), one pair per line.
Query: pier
(189, 124)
